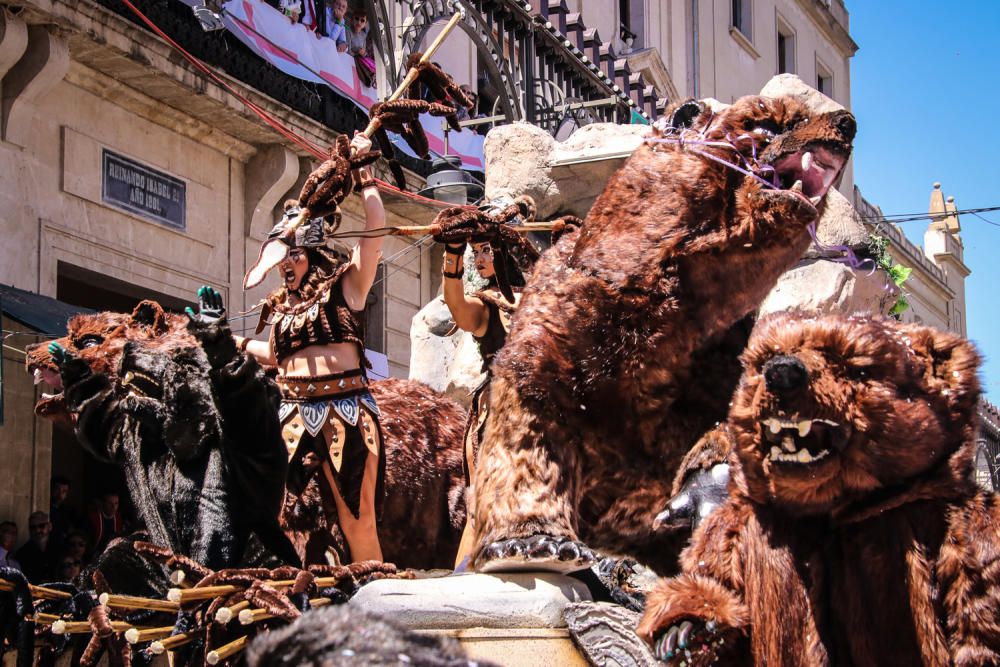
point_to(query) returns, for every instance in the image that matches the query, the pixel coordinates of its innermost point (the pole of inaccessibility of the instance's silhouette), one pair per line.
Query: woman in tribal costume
(330, 421)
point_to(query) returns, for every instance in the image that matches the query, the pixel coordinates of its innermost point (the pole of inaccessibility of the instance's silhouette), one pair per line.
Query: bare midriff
(321, 360)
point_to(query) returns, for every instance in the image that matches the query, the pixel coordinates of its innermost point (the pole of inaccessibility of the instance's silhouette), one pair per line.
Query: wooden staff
(133, 602)
(172, 642)
(183, 595)
(62, 627)
(137, 635)
(216, 656)
(417, 230)
(39, 617)
(411, 76)
(38, 592)
(225, 614)
(249, 616)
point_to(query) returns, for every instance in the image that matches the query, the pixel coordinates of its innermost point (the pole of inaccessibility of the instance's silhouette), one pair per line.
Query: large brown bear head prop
(835, 410)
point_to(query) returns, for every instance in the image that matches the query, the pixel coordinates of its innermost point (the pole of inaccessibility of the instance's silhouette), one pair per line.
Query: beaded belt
(314, 387)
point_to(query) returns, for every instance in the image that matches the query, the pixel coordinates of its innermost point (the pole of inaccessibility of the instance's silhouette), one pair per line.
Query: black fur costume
(346, 636)
(197, 432)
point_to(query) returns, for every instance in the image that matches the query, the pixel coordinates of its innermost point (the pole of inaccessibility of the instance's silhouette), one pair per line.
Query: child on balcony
(360, 47)
(334, 23)
(292, 9)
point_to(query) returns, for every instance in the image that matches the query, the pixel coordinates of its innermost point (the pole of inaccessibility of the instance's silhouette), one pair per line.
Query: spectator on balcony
(472, 111)
(360, 46)
(292, 9)
(310, 15)
(467, 113)
(76, 547)
(334, 23)
(69, 569)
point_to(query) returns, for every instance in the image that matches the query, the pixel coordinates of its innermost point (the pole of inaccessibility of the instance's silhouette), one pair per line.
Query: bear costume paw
(702, 493)
(538, 552)
(690, 642)
(72, 369)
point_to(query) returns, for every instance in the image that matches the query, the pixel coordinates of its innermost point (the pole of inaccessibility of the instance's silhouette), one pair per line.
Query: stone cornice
(134, 59)
(105, 87)
(823, 17)
(654, 70)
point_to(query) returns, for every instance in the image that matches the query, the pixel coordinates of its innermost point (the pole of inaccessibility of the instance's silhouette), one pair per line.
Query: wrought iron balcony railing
(545, 64)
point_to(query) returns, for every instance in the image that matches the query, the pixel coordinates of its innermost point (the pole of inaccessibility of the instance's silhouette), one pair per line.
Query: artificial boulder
(515, 600)
(562, 177)
(446, 359)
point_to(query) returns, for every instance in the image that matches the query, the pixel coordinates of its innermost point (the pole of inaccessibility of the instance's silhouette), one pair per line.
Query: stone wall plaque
(144, 191)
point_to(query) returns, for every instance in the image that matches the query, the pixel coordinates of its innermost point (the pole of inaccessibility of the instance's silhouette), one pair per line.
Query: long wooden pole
(38, 592)
(173, 641)
(416, 230)
(407, 81)
(132, 602)
(61, 627)
(182, 595)
(216, 656)
(412, 75)
(250, 616)
(136, 635)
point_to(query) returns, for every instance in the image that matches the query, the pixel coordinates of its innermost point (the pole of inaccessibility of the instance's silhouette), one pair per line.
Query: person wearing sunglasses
(359, 46)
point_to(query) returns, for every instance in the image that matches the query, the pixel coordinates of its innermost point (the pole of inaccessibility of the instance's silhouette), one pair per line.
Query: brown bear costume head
(834, 413)
(99, 339)
(750, 176)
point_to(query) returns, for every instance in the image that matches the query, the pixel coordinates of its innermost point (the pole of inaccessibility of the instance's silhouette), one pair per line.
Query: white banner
(305, 54)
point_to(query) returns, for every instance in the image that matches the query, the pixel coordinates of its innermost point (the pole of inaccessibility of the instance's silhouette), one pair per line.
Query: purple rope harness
(688, 139)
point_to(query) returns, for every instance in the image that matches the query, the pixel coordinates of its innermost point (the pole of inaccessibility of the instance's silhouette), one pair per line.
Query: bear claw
(538, 552)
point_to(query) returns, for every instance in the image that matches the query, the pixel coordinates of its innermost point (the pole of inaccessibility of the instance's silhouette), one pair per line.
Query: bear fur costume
(425, 505)
(347, 636)
(625, 347)
(854, 532)
(193, 422)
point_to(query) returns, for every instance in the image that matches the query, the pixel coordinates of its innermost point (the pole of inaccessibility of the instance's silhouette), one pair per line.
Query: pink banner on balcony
(304, 54)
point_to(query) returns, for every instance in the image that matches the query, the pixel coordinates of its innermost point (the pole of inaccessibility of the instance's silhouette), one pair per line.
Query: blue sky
(925, 87)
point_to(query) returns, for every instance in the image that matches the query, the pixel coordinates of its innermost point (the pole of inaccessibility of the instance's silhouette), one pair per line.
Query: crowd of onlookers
(61, 541)
(349, 28)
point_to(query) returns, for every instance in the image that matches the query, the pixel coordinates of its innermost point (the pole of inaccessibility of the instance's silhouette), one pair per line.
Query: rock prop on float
(605, 633)
(821, 286)
(793, 86)
(516, 600)
(818, 284)
(563, 177)
(448, 363)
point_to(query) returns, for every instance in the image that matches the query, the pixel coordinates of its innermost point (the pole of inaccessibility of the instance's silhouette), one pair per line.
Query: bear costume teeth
(803, 441)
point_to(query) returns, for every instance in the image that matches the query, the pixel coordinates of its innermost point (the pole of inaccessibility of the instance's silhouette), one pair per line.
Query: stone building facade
(86, 91)
(92, 101)
(725, 49)
(935, 290)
